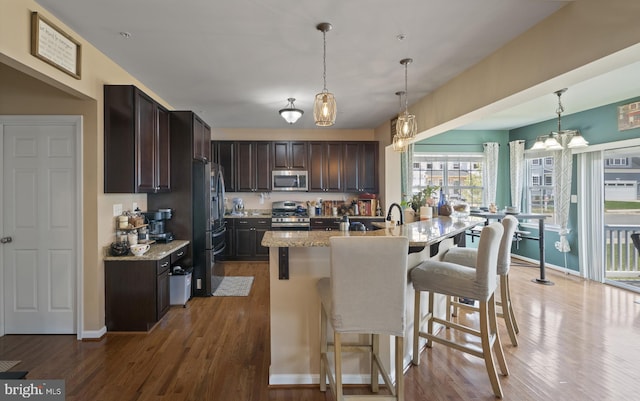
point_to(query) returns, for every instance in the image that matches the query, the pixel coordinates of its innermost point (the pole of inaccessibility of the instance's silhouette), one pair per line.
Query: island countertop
(420, 233)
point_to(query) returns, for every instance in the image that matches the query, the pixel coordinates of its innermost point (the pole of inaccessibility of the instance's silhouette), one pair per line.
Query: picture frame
(629, 116)
(55, 47)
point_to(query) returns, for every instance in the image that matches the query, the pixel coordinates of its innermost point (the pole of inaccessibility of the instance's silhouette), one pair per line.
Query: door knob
(5, 240)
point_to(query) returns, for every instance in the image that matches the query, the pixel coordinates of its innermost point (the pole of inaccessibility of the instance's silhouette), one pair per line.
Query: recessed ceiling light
(125, 35)
(401, 37)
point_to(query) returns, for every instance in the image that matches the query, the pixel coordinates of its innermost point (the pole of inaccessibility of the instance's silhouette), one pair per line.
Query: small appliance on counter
(238, 206)
(156, 225)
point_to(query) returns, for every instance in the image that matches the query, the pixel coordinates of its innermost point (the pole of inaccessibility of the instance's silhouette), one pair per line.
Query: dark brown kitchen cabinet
(253, 166)
(224, 153)
(325, 166)
(248, 235)
(192, 128)
(290, 155)
(360, 172)
(137, 291)
(325, 224)
(136, 142)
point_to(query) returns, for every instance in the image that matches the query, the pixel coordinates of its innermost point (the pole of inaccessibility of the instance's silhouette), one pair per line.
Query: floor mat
(6, 365)
(233, 287)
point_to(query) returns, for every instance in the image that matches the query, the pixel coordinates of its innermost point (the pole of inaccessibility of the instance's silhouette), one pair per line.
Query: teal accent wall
(459, 141)
(599, 125)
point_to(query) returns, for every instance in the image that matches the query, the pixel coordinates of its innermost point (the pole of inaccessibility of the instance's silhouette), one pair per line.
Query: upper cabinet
(224, 154)
(136, 142)
(201, 139)
(325, 166)
(360, 173)
(290, 155)
(194, 131)
(333, 166)
(253, 166)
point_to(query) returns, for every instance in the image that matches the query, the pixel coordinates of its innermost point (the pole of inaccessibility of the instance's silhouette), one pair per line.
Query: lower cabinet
(245, 237)
(137, 292)
(333, 223)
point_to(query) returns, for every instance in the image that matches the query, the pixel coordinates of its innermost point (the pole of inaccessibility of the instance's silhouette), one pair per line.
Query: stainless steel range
(289, 215)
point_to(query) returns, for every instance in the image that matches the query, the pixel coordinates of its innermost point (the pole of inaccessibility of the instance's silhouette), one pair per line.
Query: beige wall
(569, 46)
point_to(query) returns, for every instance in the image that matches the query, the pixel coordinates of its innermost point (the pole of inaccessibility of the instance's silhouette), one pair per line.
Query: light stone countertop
(156, 251)
(420, 233)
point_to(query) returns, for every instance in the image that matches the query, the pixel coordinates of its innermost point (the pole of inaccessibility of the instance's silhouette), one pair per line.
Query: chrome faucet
(401, 222)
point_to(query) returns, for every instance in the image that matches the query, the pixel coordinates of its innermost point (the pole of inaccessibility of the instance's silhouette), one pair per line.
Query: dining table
(523, 216)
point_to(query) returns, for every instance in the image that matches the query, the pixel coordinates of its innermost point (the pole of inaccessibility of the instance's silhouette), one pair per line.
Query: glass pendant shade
(406, 125)
(324, 109)
(399, 143)
(539, 145)
(577, 141)
(551, 143)
(290, 113)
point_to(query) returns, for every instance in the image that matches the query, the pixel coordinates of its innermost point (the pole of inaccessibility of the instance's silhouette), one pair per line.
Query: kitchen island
(295, 305)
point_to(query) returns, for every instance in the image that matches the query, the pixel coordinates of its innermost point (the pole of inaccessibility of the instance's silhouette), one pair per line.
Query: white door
(39, 224)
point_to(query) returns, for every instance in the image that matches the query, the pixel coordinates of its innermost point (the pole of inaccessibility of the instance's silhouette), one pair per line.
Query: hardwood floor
(578, 340)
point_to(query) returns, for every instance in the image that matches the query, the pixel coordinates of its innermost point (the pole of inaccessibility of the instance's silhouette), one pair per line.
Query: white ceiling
(236, 62)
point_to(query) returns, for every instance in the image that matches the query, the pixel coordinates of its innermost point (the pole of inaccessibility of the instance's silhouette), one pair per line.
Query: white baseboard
(93, 334)
(301, 379)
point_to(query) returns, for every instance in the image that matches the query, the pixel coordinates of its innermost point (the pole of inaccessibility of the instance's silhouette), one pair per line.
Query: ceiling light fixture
(406, 125)
(290, 113)
(399, 142)
(551, 141)
(324, 107)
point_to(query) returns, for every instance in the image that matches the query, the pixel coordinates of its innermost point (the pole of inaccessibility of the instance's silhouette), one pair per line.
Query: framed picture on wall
(53, 46)
(629, 116)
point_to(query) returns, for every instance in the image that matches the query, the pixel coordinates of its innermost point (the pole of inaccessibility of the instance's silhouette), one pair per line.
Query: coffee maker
(156, 222)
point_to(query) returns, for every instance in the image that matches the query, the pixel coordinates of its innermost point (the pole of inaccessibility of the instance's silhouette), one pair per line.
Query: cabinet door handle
(180, 254)
(165, 264)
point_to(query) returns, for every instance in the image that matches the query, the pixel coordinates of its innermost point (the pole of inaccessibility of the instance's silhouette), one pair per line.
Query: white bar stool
(460, 281)
(467, 257)
(365, 295)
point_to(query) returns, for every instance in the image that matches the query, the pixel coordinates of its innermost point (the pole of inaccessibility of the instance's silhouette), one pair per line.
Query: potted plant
(423, 197)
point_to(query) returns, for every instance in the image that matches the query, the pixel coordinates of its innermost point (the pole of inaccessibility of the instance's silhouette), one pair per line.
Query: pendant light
(406, 126)
(399, 142)
(290, 113)
(324, 107)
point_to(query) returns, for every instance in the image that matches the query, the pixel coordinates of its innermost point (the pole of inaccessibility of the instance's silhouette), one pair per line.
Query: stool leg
(513, 316)
(375, 349)
(497, 345)
(485, 337)
(507, 313)
(399, 368)
(430, 321)
(337, 346)
(323, 349)
(417, 320)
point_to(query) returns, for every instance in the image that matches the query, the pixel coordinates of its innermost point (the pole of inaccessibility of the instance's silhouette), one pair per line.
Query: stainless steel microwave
(289, 180)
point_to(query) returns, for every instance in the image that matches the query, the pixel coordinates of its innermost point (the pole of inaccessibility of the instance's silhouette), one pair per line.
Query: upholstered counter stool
(365, 295)
(461, 281)
(467, 257)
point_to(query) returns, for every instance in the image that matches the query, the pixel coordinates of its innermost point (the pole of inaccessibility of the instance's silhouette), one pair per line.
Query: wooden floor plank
(578, 340)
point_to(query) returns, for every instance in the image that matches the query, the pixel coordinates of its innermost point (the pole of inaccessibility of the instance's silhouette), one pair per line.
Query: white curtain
(407, 172)
(516, 166)
(590, 215)
(491, 152)
(563, 164)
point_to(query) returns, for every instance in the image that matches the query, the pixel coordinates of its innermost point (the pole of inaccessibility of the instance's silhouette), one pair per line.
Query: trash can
(180, 286)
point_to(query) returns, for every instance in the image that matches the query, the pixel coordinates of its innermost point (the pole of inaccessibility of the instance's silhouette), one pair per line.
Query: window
(539, 195)
(460, 176)
(617, 162)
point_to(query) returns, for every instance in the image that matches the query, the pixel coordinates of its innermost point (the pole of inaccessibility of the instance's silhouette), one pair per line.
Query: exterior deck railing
(621, 256)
